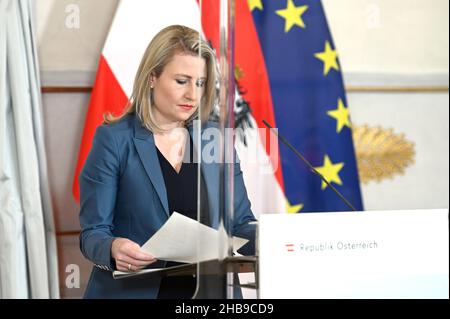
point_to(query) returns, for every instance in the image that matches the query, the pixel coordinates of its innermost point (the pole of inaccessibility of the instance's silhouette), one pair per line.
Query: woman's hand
(129, 256)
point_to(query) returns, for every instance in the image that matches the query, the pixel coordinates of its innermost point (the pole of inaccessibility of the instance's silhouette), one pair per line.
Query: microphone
(310, 166)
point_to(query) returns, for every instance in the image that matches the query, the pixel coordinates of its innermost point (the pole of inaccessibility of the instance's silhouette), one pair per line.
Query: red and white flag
(134, 25)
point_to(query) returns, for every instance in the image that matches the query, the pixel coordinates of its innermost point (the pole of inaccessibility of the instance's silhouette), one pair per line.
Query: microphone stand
(310, 166)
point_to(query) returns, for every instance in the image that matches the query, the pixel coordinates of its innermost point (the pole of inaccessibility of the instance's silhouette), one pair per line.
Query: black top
(181, 187)
(182, 192)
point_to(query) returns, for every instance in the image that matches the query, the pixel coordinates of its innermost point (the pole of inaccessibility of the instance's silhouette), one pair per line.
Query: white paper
(183, 239)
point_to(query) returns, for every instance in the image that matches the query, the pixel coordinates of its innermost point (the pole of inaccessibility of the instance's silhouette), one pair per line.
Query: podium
(355, 255)
(341, 255)
(240, 264)
(211, 270)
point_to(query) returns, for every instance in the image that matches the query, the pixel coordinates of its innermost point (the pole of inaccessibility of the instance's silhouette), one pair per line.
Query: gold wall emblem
(380, 153)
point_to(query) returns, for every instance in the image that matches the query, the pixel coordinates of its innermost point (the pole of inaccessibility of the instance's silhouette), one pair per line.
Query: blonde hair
(168, 42)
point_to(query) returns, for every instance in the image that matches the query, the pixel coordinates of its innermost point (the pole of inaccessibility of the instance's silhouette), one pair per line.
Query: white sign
(376, 254)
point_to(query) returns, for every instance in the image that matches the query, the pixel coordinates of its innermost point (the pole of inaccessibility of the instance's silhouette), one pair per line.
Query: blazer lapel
(146, 148)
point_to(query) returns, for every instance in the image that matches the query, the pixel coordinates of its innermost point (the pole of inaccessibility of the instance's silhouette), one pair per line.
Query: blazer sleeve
(244, 221)
(98, 188)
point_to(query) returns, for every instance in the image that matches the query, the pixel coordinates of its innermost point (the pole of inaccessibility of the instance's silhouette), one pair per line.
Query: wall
(390, 36)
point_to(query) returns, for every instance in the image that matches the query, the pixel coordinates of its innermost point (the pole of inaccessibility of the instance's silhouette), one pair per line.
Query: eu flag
(309, 102)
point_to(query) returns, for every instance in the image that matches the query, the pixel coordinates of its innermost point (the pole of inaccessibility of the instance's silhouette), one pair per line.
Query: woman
(133, 178)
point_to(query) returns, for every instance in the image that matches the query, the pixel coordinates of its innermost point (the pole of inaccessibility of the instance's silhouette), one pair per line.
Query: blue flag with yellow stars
(309, 103)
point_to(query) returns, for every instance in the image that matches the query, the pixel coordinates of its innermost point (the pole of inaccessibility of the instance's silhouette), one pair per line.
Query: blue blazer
(123, 194)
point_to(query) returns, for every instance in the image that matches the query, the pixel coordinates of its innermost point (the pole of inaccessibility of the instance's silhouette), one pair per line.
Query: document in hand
(183, 239)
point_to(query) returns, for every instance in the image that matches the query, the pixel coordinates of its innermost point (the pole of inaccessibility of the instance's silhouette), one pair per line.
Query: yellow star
(329, 57)
(342, 115)
(293, 209)
(330, 172)
(292, 15)
(252, 4)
